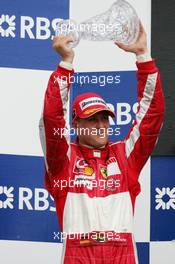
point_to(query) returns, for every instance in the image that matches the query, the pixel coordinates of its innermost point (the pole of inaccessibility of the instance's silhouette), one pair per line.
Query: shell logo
(88, 171)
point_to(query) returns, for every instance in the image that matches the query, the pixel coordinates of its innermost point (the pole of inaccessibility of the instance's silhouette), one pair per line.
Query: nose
(100, 123)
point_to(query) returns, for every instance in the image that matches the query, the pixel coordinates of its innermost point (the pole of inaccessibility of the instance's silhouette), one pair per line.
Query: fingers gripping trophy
(119, 23)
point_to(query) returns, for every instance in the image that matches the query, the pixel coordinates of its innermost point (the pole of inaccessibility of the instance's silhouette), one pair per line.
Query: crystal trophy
(119, 23)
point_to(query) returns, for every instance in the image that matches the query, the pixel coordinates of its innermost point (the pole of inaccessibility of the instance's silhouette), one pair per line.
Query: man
(95, 183)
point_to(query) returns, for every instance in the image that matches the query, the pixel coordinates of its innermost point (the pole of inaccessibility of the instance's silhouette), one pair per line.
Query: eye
(105, 117)
(91, 118)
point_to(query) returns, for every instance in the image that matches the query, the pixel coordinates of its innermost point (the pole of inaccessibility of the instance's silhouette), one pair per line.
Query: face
(92, 131)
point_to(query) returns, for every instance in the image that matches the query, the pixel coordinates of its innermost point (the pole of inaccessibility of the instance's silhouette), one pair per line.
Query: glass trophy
(119, 23)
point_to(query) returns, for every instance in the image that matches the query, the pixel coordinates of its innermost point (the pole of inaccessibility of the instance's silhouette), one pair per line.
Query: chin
(100, 142)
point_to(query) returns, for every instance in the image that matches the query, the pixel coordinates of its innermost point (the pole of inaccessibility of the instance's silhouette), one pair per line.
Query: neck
(91, 147)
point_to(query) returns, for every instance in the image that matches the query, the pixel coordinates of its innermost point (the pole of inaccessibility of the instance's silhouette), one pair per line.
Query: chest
(98, 176)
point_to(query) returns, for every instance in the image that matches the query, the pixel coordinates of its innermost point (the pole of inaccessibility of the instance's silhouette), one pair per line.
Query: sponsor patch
(83, 168)
(81, 181)
(85, 241)
(103, 171)
(88, 171)
(99, 237)
(91, 101)
(113, 167)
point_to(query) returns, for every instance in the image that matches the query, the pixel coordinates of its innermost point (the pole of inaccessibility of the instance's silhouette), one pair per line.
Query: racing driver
(101, 215)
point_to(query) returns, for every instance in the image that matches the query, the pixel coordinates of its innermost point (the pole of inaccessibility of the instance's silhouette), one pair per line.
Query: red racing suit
(95, 190)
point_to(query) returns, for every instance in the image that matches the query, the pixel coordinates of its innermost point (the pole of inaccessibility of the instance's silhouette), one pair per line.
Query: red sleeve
(145, 130)
(53, 122)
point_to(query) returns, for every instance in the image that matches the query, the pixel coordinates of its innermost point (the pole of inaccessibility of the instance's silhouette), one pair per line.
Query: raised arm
(54, 120)
(144, 132)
